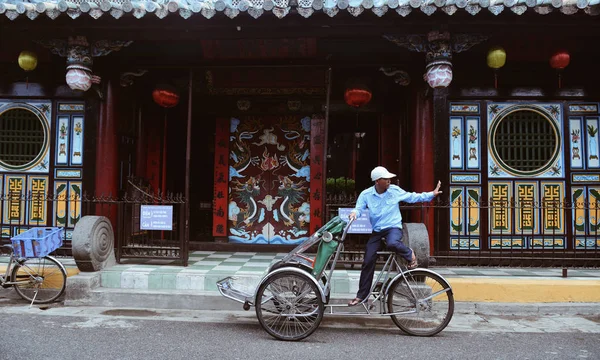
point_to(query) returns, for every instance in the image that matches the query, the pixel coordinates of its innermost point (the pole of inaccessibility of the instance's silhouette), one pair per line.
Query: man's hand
(352, 216)
(437, 191)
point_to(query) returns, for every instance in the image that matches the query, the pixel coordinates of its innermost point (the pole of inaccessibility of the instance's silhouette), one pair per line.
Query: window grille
(22, 138)
(525, 142)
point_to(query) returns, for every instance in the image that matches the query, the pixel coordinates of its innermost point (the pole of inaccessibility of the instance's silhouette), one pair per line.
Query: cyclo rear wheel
(428, 311)
(40, 280)
(289, 306)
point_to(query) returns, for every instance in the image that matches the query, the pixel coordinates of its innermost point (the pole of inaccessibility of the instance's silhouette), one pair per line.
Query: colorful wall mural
(267, 180)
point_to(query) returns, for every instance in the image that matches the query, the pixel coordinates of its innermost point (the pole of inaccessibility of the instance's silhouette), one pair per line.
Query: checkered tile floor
(241, 262)
(207, 267)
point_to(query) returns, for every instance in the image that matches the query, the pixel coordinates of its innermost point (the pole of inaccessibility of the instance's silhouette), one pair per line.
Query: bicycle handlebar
(346, 228)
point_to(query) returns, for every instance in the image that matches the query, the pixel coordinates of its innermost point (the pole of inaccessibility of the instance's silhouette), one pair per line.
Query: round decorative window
(525, 142)
(23, 138)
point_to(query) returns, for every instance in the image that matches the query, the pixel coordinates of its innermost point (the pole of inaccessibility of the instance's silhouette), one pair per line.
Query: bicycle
(291, 298)
(40, 280)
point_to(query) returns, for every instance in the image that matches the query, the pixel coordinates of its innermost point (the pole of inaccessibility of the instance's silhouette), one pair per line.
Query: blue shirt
(384, 211)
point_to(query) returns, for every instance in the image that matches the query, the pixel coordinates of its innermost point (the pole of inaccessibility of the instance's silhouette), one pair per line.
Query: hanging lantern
(27, 60)
(79, 77)
(165, 96)
(559, 61)
(496, 58)
(438, 74)
(357, 96)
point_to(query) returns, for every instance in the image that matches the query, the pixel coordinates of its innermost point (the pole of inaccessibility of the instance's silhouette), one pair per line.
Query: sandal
(413, 264)
(354, 302)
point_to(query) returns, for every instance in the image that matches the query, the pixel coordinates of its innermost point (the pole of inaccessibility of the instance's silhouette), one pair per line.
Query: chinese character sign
(220, 178)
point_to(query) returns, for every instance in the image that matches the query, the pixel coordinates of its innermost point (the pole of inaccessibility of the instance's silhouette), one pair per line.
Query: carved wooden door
(269, 180)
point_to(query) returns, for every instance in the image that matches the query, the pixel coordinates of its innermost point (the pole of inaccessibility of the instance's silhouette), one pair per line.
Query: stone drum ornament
(93, 244)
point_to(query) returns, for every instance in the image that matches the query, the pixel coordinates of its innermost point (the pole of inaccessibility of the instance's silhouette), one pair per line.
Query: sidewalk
(160, 284)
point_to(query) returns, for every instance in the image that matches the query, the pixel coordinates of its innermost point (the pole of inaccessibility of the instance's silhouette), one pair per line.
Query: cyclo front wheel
(422, 301)
(39, 280)
(289, 306)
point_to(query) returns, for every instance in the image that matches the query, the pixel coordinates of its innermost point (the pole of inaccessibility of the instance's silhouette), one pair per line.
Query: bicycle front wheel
(40, 280)
(289, 306)
(422, 302)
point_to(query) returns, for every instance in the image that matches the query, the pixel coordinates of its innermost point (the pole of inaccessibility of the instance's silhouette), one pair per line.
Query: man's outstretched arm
(412, 197)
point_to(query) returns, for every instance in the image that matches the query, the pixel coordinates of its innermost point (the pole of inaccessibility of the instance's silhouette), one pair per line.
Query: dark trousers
(394, 243)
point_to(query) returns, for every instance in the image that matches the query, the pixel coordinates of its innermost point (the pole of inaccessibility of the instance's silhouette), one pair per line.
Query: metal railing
(493, 233)
(513, 233)
(20, 212)
(534, 234)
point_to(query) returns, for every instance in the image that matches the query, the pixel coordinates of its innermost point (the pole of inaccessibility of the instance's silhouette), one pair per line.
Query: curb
(84, 290)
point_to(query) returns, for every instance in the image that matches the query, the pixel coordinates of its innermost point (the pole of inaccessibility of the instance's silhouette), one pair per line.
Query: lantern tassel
(495, 79)
(559, 80)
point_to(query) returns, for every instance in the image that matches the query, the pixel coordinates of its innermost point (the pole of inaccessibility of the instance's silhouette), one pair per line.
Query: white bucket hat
(381, 173)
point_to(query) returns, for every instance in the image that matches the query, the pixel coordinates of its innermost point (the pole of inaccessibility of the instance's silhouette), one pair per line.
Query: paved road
(59, 332)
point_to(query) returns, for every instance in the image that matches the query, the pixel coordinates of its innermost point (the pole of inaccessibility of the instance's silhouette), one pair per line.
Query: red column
(317, 174)
(422, 158)
(107, 162)
(388, 139)
(142, 143)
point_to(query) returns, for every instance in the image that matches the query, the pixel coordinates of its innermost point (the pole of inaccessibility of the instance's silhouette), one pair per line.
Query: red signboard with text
(221, 182)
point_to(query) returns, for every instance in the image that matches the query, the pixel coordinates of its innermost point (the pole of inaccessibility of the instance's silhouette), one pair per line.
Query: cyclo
(293, 296)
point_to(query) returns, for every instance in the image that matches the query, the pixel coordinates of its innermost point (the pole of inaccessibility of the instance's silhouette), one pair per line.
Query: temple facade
(267, 116)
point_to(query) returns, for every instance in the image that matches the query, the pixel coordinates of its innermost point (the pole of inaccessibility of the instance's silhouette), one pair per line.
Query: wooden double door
(269, 179)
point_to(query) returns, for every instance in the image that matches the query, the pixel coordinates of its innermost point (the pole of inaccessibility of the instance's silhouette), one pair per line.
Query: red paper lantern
(560, 60)
(165, 96)
(357, 96)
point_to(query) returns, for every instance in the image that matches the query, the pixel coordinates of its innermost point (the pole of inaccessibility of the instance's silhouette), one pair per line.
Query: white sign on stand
(156, 217)
(362, 225)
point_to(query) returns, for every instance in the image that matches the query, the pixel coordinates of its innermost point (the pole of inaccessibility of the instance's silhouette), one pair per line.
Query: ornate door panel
(526, 176)
(41, 164)
(269, 180)
(584, 150)
(523, 176)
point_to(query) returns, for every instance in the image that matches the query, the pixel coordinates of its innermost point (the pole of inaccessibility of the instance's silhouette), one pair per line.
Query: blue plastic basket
(37, 242)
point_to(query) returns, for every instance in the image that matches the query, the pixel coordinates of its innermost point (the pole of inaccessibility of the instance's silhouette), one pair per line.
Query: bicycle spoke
(423, 303)
(294, 311)
(39, 280)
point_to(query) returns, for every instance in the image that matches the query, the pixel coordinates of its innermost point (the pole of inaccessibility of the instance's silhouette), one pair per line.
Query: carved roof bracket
(80, 54)
(438, 47)
(400, 77)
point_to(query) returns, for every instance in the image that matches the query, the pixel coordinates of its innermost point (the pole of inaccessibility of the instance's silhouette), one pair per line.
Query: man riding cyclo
(382, 200)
